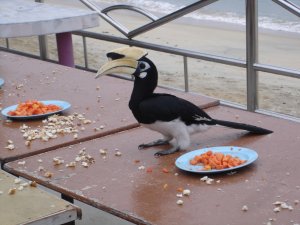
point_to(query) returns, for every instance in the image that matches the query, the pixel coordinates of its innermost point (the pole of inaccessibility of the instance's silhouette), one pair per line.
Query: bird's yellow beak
(122, 60)
(122, 66)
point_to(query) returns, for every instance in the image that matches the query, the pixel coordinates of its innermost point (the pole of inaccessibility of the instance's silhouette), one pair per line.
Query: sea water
(271, 15)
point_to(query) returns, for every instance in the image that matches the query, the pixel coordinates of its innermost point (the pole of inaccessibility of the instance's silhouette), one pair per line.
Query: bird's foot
(154, 143)
(167, 152)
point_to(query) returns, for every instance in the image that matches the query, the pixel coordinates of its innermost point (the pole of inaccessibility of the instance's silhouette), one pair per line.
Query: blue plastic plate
(1, 82)
(64, 106)
(183, 162)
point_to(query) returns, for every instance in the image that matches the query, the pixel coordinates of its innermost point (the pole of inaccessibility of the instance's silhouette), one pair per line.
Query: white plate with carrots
(33, 109)
(216, 159)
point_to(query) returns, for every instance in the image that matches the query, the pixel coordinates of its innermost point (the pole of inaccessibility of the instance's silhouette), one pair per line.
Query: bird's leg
(168, 151)
(154, 143)
(163, 141)
(182, 141)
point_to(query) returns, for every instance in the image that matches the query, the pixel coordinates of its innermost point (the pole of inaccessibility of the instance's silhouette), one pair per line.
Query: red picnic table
(138, 187)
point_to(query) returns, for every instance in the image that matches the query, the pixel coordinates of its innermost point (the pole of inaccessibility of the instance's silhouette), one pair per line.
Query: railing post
(7, 43)
(251, 53)
(43, 42)
(186, 74)
(86, 63)
(43, 47)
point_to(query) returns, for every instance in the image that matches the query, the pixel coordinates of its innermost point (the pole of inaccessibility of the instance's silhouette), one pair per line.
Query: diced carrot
(216, 160)
(193, 162)
(207, 167)
(149, 170)
(180, 189)
(209, 153)
(198, 158)
(219, 156)
(33, 107)
(165, 170)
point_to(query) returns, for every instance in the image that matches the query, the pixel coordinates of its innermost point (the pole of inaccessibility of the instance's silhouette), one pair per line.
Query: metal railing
(251, 63)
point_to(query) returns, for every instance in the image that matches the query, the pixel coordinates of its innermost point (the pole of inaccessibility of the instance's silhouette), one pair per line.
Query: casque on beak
(123, 60)
(122, 66)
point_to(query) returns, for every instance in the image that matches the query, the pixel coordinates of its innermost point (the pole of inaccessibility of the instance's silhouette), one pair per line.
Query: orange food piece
(193, 161)
(165, 170)
(180, 189)
(33, 107)
(218, 161)
(149, 170)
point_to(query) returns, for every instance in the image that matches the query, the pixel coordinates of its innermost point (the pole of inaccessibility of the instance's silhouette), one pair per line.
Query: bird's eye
(143, 66)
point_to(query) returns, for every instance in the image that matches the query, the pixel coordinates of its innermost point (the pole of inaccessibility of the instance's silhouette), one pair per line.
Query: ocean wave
(166, 7)
(263, 22)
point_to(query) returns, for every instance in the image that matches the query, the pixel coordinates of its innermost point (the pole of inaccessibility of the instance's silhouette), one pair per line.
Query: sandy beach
(276, 93)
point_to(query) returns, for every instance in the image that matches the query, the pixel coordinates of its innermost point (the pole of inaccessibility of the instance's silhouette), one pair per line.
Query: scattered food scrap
(41, 168)
(12, 191)
(18, 185)
(48, 174)
(57, 161)
(32, 184)
(245, 208)
(180, 189)
(179, 202)
(10, 145)
(181, 193)
(85, 159)
(17, 180)
(186, 192)
(281, 205)
(85, 164)
(141, 167)
(165, 170)
(54, 126)
(118, 153)
(149, 170)
(103, 151)
(71, 164)
(165, 186)
(22, 163)
(207, 180)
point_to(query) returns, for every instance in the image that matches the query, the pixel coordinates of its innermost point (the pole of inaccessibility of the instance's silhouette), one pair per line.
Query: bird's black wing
(165, 107)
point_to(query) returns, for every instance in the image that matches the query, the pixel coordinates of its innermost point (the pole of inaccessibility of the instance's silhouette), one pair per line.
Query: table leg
(71, 200)
(67, 198)
(65, 49)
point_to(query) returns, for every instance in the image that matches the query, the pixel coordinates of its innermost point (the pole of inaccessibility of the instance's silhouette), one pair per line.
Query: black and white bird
(175, 118)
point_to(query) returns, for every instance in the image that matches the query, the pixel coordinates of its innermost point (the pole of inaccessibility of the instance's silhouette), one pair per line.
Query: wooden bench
(21, 203)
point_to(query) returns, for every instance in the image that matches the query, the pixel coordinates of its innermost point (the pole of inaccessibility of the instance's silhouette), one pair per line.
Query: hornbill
(173, 117)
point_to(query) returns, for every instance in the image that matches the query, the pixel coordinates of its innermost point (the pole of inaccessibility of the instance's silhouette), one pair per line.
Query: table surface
(20, 18)
(32, 205)
(103, 101)
(120, 185)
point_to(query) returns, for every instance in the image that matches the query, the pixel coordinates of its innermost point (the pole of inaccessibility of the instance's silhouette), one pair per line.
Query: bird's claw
(167, 152)
(142, 146)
